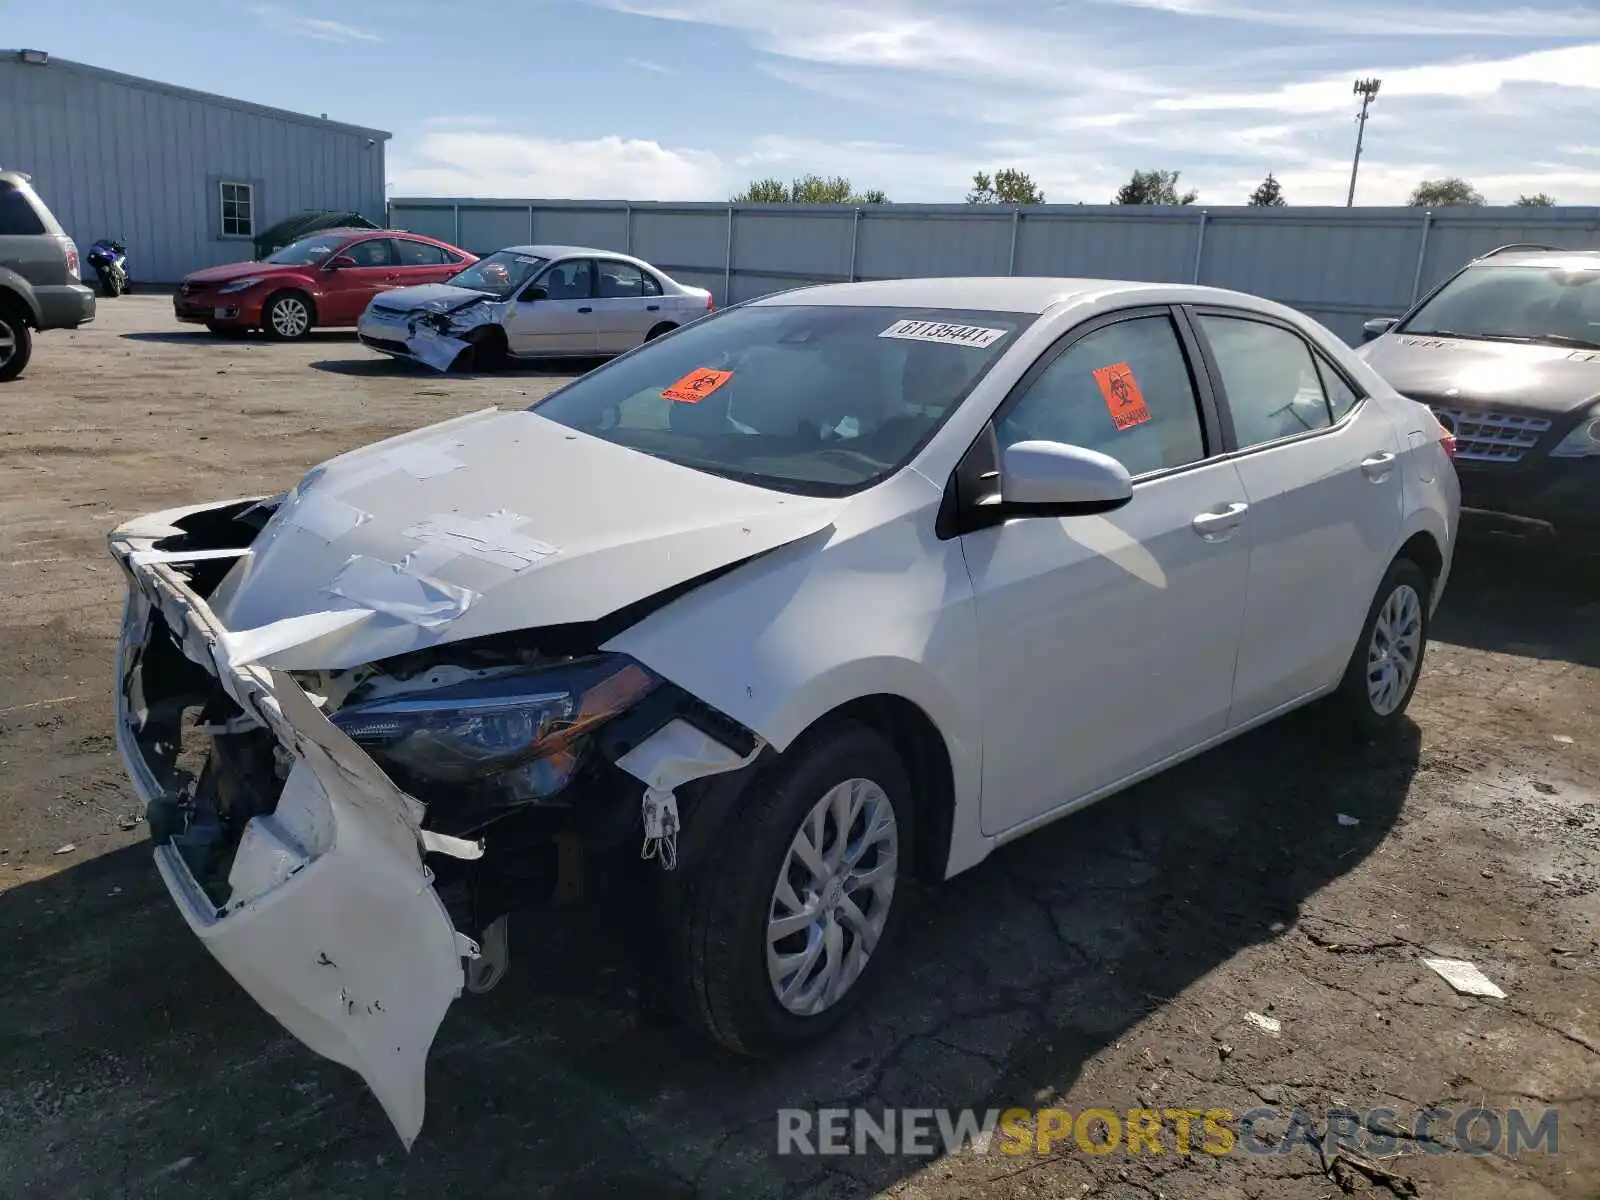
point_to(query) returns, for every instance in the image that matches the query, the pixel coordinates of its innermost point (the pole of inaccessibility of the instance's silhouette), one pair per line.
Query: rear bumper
(65, 306)
(327, 915)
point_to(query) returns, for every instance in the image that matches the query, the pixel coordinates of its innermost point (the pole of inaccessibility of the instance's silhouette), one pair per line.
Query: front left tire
(287, 317)
(785, 926)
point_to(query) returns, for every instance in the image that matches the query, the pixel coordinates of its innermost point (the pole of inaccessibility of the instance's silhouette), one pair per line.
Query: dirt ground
(1108, 961)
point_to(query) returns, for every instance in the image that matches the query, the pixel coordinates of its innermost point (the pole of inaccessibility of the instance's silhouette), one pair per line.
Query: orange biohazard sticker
(1123, 397)
(696, 385)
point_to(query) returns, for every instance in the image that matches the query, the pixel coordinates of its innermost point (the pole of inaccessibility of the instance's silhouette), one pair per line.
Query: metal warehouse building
(184, 178)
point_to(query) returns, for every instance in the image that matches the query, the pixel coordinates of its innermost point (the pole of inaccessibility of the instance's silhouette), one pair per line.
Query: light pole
(1367, 89)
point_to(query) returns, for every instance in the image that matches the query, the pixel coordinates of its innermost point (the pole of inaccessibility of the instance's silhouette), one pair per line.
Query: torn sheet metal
(242, 647)
(667, 760)
(331, 923)
(396, 591)
(432, 348)
(141, 558)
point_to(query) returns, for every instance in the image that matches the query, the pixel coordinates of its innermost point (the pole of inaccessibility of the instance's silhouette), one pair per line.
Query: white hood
(489, 523)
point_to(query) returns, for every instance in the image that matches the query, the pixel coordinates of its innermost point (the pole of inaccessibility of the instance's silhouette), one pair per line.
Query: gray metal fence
(1339, 265)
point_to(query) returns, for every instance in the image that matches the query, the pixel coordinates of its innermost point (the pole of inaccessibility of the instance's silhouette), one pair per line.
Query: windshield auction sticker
(1124, 400)
(696, 385)
(951, 335)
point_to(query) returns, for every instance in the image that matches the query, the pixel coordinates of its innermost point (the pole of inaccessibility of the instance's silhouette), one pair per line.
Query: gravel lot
(1108, 961)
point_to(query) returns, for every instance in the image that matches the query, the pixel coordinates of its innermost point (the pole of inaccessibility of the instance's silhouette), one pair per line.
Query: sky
(691, 99)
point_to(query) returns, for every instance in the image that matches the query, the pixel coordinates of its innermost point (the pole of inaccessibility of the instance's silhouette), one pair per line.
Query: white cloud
(1572, 66)
(1399, 20)
(895, 37)
(470, 162)
(317, 28)
(926, 92)
(645, 64)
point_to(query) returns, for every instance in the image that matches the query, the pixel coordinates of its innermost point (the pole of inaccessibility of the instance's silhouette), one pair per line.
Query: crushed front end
(344, 841)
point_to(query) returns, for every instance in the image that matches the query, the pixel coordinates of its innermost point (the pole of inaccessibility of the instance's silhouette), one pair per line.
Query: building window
(238, 210)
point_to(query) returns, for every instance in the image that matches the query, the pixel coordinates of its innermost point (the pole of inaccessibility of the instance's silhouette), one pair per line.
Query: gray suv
(39, 285)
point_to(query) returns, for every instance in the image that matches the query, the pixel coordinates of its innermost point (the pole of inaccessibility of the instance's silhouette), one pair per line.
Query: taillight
(72, 259)
(711, 303)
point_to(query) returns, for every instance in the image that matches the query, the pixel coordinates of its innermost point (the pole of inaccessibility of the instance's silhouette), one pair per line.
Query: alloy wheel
(8, 342)
(832, 897)
(1394, 651)
(290, 317)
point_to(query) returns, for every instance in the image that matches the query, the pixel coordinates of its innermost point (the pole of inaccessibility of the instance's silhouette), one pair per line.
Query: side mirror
(1054, 479)
(340, 261)
(536, 292)
(1377, 327)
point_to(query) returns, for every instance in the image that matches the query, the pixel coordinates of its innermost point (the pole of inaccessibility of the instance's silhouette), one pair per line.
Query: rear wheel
(1383, 670)
(16, 343)
(784, 927)
(287, 317)
(657, 330)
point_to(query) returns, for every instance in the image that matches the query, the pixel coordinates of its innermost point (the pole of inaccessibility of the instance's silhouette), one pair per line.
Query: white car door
(562, 319)
(1107, 642)
(623, 313)
(1322, 475)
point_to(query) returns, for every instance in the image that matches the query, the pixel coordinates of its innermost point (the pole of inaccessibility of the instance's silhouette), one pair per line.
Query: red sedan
(322, 280)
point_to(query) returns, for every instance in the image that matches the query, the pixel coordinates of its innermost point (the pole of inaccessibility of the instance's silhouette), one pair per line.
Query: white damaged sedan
(828, 590)
(531, 302)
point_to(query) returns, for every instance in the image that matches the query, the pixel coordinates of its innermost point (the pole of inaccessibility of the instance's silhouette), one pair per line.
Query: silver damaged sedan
(529, 302)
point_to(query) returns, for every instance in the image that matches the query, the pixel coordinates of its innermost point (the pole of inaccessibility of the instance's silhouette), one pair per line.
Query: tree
(808, 189)
(1154, 187)
(764, 191)
(1006, 186)
(1446, 193)
(1268, 195)
(1537, 200)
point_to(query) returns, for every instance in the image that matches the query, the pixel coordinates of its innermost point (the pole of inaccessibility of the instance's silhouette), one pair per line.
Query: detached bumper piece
(290, 854)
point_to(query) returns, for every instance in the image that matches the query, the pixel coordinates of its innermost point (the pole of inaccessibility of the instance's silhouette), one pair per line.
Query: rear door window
(17, 218)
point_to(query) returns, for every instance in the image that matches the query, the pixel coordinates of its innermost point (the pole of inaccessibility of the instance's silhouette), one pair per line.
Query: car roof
(1577, 260)
(544, 251)
(1024, 294)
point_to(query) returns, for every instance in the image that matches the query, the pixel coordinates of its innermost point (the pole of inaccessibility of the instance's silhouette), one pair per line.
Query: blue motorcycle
(109, 258)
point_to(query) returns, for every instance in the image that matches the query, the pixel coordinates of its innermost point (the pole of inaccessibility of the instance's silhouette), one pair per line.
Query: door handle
(1218, 525)
(586, 310)
(652, 308)
(1377, 466)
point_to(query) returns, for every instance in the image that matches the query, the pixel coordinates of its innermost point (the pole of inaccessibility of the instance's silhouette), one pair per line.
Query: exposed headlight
(1582, 442)
(517, 737)
(239, 285)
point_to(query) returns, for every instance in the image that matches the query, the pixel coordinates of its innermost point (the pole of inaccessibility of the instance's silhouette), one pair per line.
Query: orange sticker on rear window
(696, 385)
(1123, 397)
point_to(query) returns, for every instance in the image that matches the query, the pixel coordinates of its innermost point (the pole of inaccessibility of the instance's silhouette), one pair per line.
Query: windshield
(818, 399)
(310, 250)
(1540, 304)
(500, 274)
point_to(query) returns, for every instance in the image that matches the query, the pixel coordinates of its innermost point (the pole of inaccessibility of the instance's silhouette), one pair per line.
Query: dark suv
(1507, 354)
(39, 286)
